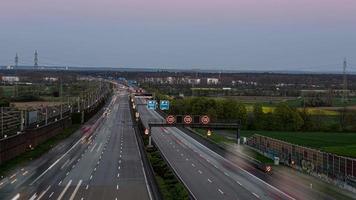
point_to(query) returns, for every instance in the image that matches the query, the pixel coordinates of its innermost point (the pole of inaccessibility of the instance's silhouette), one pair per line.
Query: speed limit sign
(188, 119)
(205, 119)
(170, 119)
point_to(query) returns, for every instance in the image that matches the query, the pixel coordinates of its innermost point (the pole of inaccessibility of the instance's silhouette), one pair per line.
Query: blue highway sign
(164, 105)
(152, 104)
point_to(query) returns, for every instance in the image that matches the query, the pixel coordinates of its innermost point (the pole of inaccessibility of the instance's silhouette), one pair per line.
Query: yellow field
(312, 111)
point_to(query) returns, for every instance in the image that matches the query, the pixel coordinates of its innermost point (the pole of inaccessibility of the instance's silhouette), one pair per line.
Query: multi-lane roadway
(107, 165)
(209, 175)
(206, 174)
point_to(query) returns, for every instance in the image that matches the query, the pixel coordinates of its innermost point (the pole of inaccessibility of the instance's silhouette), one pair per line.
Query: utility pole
(16, 60)
(2, 122)
(345, 93)
(36, 60)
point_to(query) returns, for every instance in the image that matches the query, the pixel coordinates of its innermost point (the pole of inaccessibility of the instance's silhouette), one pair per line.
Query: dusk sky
(195, 34)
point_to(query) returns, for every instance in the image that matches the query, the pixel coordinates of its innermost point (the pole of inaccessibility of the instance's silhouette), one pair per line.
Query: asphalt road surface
(106, 166)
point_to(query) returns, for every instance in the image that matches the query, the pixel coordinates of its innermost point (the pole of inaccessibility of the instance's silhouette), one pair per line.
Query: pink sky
(254, 11)
(247, 33)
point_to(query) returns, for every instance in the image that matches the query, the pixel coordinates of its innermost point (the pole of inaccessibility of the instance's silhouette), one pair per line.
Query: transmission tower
(36, 60)
(345, 93)
(16, 60)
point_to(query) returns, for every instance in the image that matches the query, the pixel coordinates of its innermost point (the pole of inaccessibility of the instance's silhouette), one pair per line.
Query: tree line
(282, 118)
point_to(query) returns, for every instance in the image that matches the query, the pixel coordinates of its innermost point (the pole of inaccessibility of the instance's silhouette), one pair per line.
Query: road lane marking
(26, 172)
(50, 167)
(220, 191)
(87, 187)
(210, 181)
(12, 176)
(226, 174)
(50, 195)
(17, 196)
(66, 162)
(200, 172)
(255, 195)
(92, 149)
(99, 147)
(75, 190)
(239, 183)
(33, 196)
(12, 182)
(193, 165)
(118, 175)
(43, 193)
(117, 187)
(91, 176)
(64, 190)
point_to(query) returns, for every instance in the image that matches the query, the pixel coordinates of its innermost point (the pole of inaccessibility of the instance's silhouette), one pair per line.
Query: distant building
(195, 81)
(50, 79)
(10, 79)
(212, 81)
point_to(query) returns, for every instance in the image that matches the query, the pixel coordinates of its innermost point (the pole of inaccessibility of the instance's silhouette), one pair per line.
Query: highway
(106, 166)
(206, 174)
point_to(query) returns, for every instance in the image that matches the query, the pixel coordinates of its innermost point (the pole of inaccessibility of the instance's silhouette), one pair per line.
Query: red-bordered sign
(170, 119)
(188, 119)
(205, 119)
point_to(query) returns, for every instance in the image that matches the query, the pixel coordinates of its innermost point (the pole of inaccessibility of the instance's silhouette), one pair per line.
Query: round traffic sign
(188, 119)
(205, 119)
(170, 119)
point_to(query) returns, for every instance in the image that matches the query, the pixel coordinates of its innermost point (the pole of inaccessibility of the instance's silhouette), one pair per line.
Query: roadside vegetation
(282, 117)
(170, 187)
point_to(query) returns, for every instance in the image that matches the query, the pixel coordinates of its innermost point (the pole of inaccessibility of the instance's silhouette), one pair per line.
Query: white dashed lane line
(210, 181)
(91, 150)
(43, 193)
(221, 192)
(64, 190)
(255, 195)
(239, 183)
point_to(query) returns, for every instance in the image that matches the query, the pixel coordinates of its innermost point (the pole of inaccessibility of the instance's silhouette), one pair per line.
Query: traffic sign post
(164, 105)
(170, 119)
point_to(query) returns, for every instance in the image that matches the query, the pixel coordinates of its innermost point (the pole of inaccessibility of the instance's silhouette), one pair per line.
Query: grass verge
(170, 187)
(38, 151)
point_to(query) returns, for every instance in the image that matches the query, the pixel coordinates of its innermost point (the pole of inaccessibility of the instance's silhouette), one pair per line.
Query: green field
(339, 143)
(7, 91)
